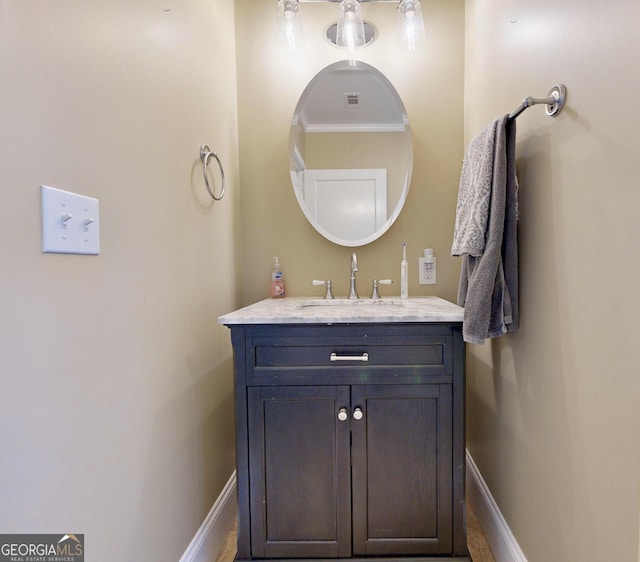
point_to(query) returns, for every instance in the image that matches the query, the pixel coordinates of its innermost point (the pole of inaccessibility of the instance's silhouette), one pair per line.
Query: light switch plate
(70, 222)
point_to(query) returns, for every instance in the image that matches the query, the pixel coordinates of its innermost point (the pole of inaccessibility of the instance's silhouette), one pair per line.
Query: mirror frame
(341, 65)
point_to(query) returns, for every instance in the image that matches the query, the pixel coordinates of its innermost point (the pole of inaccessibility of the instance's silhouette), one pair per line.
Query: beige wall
(116, 417)
(553, 410)
(270, 81)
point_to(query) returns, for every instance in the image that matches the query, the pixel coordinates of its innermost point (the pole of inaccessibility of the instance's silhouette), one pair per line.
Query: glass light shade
(350, 25)
(410, 24)
(289, 25)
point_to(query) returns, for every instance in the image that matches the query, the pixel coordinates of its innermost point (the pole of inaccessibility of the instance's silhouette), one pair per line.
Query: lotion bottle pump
(404, 273)
(277, 281)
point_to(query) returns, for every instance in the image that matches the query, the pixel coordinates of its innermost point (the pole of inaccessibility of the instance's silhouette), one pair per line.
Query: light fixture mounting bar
(361, 1)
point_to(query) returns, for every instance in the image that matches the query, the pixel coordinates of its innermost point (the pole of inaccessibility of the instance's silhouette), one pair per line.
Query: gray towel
(489, 280)
(474, 194)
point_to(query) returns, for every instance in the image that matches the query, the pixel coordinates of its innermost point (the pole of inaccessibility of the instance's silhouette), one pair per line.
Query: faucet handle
(329, 294)
(374, 289)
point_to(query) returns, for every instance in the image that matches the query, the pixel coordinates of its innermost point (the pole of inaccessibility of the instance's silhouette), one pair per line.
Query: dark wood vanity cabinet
(350, 441)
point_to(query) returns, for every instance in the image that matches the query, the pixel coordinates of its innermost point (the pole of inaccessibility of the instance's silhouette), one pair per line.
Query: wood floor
(476, 541)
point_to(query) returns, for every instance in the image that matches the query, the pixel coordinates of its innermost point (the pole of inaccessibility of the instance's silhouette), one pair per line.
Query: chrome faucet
(329, 293)
(375, 294)
(353, 292)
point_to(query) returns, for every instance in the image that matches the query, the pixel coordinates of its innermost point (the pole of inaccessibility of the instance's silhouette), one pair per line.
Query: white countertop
(314, 310)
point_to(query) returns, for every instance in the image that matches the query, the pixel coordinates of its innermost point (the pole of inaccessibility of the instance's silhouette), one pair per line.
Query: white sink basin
(340, 304)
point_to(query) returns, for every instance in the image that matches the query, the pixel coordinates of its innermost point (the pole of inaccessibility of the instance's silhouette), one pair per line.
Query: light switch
(70, 222)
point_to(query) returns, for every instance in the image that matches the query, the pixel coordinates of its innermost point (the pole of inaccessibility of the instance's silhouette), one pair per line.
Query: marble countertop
(314, 310)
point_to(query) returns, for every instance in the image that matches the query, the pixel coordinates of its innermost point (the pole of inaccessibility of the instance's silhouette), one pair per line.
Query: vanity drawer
(341, 355)
(353, 360)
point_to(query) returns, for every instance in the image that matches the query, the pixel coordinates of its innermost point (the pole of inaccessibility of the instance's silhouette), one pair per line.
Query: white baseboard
(503, 544)
(207, 543)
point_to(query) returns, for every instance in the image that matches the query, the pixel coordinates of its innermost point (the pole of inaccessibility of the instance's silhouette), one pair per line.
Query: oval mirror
(350, 153)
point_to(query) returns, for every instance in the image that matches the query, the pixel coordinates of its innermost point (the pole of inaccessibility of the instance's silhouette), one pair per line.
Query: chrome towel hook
(205, 155)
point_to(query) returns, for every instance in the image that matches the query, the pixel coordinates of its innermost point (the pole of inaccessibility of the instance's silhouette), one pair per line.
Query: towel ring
(205, 155)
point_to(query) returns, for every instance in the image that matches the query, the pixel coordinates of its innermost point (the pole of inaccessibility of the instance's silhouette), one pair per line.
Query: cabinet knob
(343, 415)
(358, 414)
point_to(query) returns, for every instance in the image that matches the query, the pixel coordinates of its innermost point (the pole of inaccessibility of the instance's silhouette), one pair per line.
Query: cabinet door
(300, 472)
(402, 468)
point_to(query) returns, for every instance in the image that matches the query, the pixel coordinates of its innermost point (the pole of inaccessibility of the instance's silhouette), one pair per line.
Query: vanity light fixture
(410, 23)
(288, 24)
(351, 31)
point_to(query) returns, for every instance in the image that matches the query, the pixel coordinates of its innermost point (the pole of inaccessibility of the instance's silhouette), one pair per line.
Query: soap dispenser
(277, 281)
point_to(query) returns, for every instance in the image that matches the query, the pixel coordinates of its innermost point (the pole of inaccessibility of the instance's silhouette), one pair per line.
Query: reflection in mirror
(350, 153)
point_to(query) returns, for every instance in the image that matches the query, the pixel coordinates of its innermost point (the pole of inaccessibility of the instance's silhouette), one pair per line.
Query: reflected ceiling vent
(352, 100)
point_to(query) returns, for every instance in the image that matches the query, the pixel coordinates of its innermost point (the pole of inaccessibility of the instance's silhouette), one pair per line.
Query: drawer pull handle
(343, 415)
(336, 357)
(358, 414)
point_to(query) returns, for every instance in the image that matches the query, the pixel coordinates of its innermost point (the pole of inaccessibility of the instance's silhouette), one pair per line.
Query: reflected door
(351, 204)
